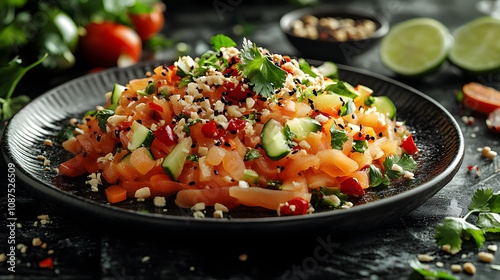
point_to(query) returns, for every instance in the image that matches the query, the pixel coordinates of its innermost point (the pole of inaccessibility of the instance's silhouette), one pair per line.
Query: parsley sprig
(263, 74)
(452, 231)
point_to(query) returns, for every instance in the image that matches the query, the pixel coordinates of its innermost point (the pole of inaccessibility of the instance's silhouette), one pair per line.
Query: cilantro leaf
(339, 137)
(451, 230)
(480, 200)
(319, 201)
(359, 146)
(406, 162)
(65, 134)
(102, 117)
(376, 177)
(490, 222)
(220, 40)
(426, 272)
(263, 74)
(187, 127)
(495, 203)
(347, 108)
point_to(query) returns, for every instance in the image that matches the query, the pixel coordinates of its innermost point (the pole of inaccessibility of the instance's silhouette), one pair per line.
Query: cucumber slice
(116, 94)
(174, 162)
(275, 143)
(302, 126)
(141, 136)
(329, 69)
(385, 105)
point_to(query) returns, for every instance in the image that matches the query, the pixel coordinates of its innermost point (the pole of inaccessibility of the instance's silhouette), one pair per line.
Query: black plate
(437, 134)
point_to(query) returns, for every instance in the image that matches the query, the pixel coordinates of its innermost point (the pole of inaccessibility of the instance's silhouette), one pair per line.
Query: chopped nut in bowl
(332, 32)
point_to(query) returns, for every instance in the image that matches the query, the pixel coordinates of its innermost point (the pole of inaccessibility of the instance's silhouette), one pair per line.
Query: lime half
(415, 47)
(477, 46)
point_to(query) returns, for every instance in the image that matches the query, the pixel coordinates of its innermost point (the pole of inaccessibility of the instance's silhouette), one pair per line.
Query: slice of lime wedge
(415, 47)
(477, 46)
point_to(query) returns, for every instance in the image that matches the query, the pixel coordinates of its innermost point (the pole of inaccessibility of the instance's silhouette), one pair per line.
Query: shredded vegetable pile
(240, 127)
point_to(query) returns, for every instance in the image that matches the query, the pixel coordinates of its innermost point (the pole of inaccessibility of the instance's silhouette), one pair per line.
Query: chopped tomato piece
(296, 206)
(73, 167)
(409, 145)
(351, 186)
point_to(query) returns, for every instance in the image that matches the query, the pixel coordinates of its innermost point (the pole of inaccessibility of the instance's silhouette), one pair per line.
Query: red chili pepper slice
(165, 135)
(236, 125)
(47, 263)
(155, 107)
(296, 206)
(210, 130)
(351, 186)
(409, 145)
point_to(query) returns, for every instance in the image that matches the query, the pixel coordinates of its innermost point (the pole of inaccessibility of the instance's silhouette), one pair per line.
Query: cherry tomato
(409, 145)
(296, 206)
(148, 24)
(165, 135)
(481, 98)
(351, 186)
(107, 44)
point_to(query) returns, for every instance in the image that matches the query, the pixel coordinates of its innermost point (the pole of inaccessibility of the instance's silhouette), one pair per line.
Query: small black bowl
(337, 51)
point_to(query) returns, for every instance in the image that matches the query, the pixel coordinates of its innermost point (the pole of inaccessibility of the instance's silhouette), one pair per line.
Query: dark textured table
(86, 249)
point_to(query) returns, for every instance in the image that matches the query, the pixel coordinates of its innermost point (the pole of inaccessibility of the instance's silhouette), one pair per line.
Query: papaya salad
(240, 127)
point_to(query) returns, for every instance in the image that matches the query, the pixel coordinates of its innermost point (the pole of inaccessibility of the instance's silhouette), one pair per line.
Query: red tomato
(409, 145)
(351, 186)
(481, 98)
(210, 130)
(148, 24)
(236, 125)
(73, 167)
(107, 44)
(166, 135)
(296, 206)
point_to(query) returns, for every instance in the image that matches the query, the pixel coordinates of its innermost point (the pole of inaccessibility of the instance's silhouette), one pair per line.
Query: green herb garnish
(263, 74)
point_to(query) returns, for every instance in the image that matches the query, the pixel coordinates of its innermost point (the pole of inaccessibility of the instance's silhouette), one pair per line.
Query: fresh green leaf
(9, 78)
(450, 232)
(406, 163)
(480, 200)
(263, 74)
(306, 68)
(347, 108)
(140, 8)
(319, 202)
(427, 272)
(159, 41)
(495, 203)
(338, 138)
(65, 134)
(251, 155)
(341, 89)
(359, 146)
(489, 221)
(220, 40)
(102, 117)
(376, 177)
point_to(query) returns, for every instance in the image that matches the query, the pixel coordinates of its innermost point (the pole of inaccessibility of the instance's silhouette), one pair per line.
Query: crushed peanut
(485, 257)
(469, 268)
